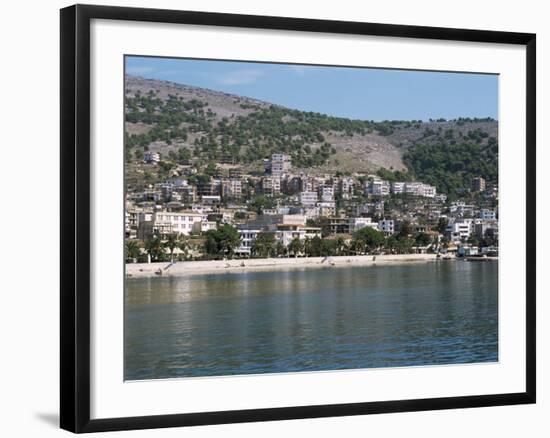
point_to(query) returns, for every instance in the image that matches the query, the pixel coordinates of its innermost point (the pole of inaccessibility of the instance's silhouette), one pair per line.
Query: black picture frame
(75, 217)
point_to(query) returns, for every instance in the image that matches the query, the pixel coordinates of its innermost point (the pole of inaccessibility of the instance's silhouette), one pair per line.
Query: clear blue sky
(359, 93)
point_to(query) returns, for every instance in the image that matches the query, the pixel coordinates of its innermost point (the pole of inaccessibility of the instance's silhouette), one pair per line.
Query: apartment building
(165, 223)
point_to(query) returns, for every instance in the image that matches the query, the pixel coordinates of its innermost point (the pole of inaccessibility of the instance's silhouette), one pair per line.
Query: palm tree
(183, 244)
(155, 248)
(172, 242)
(296, 246)
(340, 245)
(264, 245)
(280, 249)
(132, 250)
(307, 246)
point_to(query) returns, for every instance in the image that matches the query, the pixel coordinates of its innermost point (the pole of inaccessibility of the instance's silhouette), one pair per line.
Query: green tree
(313, 247)
(442, 225)
(132, 250)
(260, 203)
(368, 239)
(405, 229)
(171, 243)
(155, 249)
(264, 245)
(423, 239)
(296, 246)
(281, 249)
(340, 246)
(222, 242)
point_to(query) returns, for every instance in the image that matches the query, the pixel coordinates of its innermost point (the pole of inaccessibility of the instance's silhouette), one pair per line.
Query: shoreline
(178, 269)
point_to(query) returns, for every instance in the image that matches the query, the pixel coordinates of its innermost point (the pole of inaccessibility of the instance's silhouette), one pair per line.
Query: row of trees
(365, 241)
(155, 247)
(222, 243)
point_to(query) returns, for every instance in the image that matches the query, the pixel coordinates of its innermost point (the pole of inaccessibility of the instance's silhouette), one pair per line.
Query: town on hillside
(226, 211)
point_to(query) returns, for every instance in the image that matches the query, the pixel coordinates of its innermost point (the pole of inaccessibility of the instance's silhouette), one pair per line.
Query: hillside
(184, 122)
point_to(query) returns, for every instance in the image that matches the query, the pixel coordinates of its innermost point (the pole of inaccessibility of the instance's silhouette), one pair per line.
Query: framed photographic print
(271, 218)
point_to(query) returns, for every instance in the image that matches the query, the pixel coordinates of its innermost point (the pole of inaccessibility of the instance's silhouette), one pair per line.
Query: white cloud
(240, 77)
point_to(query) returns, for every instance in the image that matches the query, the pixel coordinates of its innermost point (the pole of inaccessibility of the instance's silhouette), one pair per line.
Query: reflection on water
(311, 319)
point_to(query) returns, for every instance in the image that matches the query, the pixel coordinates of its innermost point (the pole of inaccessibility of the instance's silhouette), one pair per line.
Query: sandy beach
(139, 270)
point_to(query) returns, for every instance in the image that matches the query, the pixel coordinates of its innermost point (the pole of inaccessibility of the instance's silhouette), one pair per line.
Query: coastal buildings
(293, 204)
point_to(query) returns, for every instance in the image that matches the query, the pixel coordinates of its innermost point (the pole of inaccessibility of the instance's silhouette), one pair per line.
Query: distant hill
(185, 122)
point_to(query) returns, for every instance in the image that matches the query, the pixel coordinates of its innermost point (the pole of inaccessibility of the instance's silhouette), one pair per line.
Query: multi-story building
(429, 191)
(460, 229)
(286, 233)
(377, 187)
(327, 208)
(345, 187)
(235, 173)
(386, 226)
(308, 199)
(488, 214)
(327, 194)
(461, 209)
(165, 223)
(232, 189)
(478, 184)
(398, 188)
(248, 235)
(211, 199)
(204, 225)
(279, 164)
(271, 185)
(357, 223)
(151, 157)
(209, 188)
(370, 208)
(485, 229)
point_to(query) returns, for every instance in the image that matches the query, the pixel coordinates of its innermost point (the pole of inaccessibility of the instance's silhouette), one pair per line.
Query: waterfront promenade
(140, 270)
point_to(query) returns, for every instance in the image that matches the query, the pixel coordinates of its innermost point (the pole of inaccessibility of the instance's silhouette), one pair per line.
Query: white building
(175, 223)
(460, 229)
(377, 187)
(417, 188)
(327, 194)
(151, 157)
(211, 199)
(488, 214)
(356, 223)
(287, 233)
(204, 225)
(345, 186)
(248, 236)
(460, 208)
(386, 226)
(398, 188)
(308, 199)
(429, 191)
